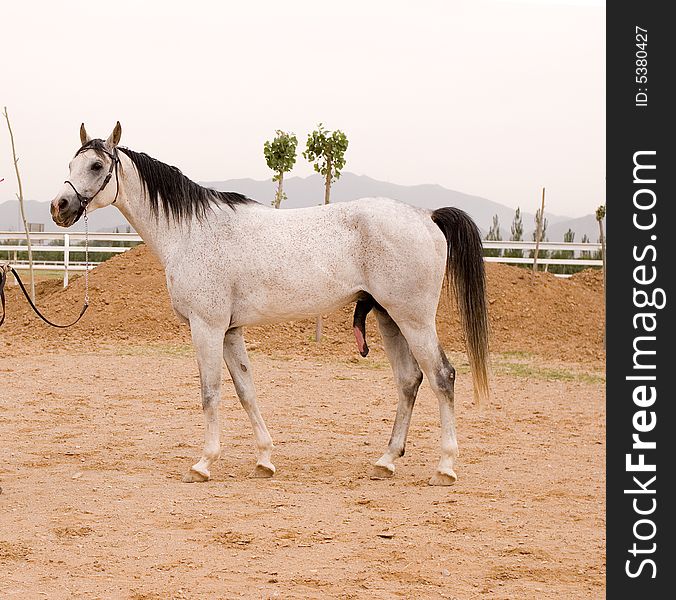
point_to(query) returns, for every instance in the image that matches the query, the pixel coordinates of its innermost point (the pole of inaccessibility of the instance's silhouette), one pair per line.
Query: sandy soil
(99, 422)
(94, 441)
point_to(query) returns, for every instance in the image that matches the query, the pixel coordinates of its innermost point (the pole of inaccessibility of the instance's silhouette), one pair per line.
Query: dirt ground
(94, 443)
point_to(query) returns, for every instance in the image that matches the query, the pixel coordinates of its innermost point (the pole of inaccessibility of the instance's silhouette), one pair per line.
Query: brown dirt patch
(98, 423)
(13, 551)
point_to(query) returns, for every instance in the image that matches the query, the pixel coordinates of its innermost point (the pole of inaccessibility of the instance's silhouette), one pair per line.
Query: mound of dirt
(591, 278)
(552, 317)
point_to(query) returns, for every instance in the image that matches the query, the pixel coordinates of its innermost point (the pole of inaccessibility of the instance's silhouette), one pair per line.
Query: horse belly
(305, 294)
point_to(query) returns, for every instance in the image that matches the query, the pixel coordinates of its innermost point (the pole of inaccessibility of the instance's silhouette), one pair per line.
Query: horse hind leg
(237, 361)
(408, 377)
(425, 347)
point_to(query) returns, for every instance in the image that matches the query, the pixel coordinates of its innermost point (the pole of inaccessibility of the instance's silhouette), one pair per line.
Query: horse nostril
(63, 203)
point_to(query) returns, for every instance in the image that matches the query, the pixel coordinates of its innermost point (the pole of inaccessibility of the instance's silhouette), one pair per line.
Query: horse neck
(157, 232)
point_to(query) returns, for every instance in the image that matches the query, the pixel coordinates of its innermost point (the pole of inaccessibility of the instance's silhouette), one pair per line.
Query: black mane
(168, 190)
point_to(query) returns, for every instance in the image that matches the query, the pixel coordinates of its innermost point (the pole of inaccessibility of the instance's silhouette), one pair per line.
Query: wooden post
(278, 195)
(66, 258)
(600, 214)
(602, 241)
(23, 214)
(327, 182)
(538, 234)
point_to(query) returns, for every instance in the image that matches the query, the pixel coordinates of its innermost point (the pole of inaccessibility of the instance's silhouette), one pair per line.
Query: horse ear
(114, 138)
(84, 136)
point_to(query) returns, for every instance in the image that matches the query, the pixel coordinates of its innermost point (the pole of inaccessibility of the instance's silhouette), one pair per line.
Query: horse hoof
(382, 471)
(193, 476)
(263, 471)
(446, 478)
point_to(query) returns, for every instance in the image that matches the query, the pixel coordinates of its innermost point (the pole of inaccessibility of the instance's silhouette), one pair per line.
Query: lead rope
(86, 224)
(7, 268)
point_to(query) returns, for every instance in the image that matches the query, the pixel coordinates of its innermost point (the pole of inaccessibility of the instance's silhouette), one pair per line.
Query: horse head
(90, 172)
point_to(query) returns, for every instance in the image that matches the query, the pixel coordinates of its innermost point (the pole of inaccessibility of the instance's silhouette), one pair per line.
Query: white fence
(44, 248)
(51, 256)
(575, 247)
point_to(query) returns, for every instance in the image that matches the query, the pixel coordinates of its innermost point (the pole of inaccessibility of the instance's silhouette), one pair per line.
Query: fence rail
(544, 246)
(574, 249)
(43, 244)
(44, 250)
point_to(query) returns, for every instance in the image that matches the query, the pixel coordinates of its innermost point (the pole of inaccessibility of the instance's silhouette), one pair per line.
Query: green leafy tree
(516, 235)
(493, 235)
(326, 150)
(543, 231)
(588, 254)
(569, 238)
(280, 156)
(597, 254)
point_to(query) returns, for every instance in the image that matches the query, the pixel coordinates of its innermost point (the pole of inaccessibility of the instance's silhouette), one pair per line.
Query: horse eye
(97, 166)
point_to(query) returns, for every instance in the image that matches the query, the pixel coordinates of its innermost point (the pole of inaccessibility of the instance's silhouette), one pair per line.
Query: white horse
(231, 262)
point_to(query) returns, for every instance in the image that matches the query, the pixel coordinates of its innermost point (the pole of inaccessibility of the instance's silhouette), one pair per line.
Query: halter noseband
(85, 200)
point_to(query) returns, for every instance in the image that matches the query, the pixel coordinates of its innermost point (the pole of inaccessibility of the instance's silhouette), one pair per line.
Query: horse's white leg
(425, 347)
(208, 342)
(408, 377)
(237, 361)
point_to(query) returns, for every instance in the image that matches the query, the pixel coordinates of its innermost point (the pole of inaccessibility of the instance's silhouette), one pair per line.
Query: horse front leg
(207, 341)
(237, 361)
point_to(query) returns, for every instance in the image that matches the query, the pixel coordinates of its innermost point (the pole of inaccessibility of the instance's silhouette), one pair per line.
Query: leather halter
(85, 200)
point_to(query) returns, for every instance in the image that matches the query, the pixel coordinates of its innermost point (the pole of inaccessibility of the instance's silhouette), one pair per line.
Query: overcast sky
(494, 98)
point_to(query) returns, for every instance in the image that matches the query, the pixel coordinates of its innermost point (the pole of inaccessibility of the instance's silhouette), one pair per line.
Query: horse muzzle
(65, 210)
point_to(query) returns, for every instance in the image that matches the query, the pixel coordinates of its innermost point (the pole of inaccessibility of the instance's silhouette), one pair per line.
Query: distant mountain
(309, 191)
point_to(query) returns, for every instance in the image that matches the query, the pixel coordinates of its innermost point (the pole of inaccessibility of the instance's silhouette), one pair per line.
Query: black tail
(465, 272)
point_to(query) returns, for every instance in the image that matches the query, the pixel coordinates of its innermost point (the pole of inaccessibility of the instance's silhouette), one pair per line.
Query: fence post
(66, 258)
(538, 233)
